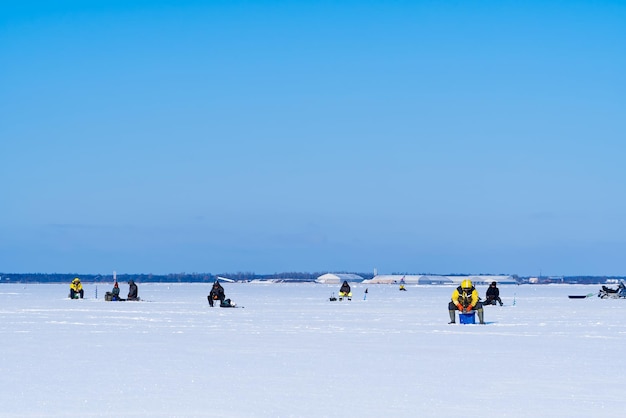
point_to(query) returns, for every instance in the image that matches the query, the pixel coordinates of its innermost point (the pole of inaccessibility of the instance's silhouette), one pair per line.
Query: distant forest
(289, 277)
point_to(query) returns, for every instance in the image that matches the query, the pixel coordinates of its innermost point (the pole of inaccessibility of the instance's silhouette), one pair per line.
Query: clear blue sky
(269, 136)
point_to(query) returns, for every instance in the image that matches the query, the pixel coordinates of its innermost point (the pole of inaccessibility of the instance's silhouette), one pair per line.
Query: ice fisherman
(76, 289)
(465, 299)
(345, 291)
(217, 293)
(115, 292)
(132, 291)
(493, 295)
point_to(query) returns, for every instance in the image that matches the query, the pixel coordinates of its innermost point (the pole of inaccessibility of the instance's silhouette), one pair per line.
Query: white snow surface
(290, 352)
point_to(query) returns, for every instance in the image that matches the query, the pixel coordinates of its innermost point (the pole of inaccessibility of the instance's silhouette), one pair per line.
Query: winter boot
(452, 316)
(481, 316)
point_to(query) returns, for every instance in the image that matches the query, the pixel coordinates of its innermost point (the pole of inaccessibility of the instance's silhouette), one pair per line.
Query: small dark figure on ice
(132, 291)
(217, 293)
(493, 295)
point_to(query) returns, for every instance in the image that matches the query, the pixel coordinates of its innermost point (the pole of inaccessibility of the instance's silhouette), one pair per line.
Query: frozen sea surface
(290, 352)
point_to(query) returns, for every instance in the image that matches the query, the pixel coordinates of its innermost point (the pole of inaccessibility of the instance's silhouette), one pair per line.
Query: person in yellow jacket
(344, 291)
(465, 299)
(76, 289)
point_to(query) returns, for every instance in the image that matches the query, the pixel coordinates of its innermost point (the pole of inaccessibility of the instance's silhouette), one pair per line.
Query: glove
(469, 308)
(459, 307)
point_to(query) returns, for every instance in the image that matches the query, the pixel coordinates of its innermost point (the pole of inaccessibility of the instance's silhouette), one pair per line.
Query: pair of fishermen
(132, 291)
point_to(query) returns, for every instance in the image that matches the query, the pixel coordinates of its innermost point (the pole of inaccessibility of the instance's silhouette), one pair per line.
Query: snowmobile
(608, 293)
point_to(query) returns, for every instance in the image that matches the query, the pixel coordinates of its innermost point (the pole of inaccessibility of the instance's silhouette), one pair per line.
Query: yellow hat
(466, 284)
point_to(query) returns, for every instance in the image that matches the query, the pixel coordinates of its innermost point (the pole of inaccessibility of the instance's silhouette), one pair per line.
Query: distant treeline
(157, 278)
(246, 277)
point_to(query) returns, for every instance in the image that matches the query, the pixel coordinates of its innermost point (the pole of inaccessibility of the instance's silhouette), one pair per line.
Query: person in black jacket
(493, 295)
(132, 291)
(217, 293)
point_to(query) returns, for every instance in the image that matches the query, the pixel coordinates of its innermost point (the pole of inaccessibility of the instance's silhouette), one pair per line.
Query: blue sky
(270, 136)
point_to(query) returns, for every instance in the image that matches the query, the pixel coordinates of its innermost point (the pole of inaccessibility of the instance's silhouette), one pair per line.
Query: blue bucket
(467, 317)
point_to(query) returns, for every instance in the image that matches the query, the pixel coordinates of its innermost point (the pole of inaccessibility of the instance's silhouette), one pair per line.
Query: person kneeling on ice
(132, 291)
(76, 289)
(217, 293)
(465, 299)
(345, 291)
(493, 295)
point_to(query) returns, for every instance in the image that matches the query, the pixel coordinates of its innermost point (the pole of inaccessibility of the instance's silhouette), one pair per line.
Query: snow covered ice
(290, 352)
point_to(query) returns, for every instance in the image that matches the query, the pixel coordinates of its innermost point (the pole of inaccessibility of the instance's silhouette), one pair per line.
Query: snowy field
(290, 352)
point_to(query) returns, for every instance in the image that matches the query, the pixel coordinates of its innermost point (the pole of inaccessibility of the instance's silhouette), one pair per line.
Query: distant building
(336, 278)
(425, 279)
(408, 279)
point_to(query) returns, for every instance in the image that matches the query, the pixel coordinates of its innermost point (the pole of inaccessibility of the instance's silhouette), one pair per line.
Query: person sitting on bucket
(217, 293)
(345, 291)
(76, 289)
(115, 293)
(493, 295)
(465, 299)
(132, 290)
